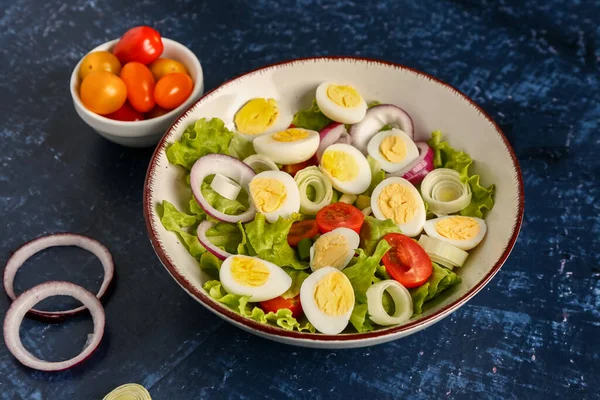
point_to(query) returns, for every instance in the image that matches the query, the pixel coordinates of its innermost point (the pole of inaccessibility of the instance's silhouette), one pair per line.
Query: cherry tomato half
(164, 66)
(172, 90)
(102, 92)
(99, 61)
(156, 112)
(339, 215)
(406, 261)
(126, 113)
(140, 86)
(278, 303)
(142, 44)
(302, 230)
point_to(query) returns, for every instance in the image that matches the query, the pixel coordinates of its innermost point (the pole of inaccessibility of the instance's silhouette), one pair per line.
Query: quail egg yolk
(333, 295)
(397, 203)
(457, 228)
(343, 96)
(330, 250)
(290, 135)
(268, 194)
(256, 116)
(249, 271)
(340, 165)
(393, 149)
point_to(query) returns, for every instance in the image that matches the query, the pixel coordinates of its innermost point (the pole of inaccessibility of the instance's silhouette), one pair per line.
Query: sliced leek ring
(444, 192)
(443, 253)
(313, 177)
(260, 163)
(129, 391)
(367, 211)
(402, 301)
(225, 186)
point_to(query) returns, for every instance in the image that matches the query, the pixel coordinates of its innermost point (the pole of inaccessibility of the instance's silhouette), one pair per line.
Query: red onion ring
(203, 239)
(330, 135)
(375, 119)
(31, 248)
(230, 167)
(20, 307)
(423, 165)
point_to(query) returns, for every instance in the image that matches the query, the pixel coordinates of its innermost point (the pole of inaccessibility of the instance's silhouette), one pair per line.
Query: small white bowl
(148, 132)
(431, 103)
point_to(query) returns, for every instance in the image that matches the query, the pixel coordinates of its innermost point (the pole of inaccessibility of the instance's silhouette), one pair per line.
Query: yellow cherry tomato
(163, 66)
(102, 92)
(99, 61)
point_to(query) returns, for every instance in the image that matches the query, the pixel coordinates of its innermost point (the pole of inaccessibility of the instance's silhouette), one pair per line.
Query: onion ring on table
(33, 247)
(20, 307)
(230, 167)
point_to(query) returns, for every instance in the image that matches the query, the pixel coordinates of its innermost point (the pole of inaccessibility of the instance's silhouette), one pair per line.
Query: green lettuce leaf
(373, 103)
(269, 241)
(199, 139)
(210, 264)
(176, 221)
(361, 273)
(226, 236)
(373, 230)
(359, 319)
(283, 318)
(312, 118)
(447, 157)
(377, 175)
(196, 210)
(240, 148)
(440, 280)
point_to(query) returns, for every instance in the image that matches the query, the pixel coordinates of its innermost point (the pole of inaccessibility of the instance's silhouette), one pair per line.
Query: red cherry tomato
(126, 113)
(338, 215)
(302, 230)
(142, 44)
(173, 89)
(278, 303)
(140, 86)
(156, 112)
(406, 261)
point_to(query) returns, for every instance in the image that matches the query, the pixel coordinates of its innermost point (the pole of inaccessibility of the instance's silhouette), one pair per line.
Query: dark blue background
(532, 333)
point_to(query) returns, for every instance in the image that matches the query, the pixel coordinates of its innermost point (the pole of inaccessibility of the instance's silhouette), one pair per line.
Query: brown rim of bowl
(272, 330)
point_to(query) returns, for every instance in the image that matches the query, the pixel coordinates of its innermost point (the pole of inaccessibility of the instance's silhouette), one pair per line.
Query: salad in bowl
(312, 203)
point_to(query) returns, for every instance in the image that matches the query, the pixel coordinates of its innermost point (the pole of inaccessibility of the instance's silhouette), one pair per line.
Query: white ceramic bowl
(432, 105)
(148, 132)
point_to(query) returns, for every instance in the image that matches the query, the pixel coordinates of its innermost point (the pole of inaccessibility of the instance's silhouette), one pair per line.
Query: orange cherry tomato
(126, 113)
(102, 92)
(140, 86)
(156, 112)
(164, 66)
(142, 44)
(99, 61)
(172, 90)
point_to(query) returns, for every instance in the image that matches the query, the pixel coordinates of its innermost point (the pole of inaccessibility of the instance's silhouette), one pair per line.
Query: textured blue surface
(532, 333)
